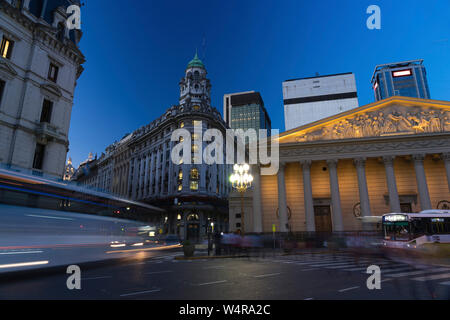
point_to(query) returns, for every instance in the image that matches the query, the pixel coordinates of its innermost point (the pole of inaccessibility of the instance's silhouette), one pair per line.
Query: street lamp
(241, 180)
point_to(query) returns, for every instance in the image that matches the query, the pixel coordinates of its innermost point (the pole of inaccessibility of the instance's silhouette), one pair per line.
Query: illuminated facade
(406, 79)
(40, 63)
(139, 166)
(389, 156)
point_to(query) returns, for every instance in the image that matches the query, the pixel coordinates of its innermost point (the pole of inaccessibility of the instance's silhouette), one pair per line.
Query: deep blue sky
(137, 52)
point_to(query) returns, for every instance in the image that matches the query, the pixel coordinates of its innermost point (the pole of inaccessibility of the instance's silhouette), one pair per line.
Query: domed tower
(195, 88)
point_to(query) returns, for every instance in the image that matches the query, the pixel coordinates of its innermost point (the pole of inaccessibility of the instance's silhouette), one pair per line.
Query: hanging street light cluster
(241, 179)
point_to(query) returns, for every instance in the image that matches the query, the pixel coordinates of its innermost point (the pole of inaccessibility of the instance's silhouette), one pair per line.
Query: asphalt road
(296, 277)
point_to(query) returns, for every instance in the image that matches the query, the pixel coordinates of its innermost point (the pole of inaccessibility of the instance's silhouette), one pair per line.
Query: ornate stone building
(139, 166)
(40, 63)
(389, 156)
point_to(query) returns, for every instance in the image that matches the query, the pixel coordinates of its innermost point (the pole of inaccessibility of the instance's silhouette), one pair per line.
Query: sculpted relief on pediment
(395, 120)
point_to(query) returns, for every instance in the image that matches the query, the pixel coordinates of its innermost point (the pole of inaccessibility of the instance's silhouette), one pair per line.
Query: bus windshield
(397, 231)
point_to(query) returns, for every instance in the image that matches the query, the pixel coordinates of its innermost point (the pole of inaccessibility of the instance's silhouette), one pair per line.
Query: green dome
(196, 62)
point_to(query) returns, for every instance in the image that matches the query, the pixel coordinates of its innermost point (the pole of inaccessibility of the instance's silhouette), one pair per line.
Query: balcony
(46, 130)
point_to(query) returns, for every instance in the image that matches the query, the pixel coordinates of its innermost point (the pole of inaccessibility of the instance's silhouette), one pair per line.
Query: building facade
(389, 156)
(310, 99)
(246, 110)
(139, 166)
(407, 79)
(40, 63)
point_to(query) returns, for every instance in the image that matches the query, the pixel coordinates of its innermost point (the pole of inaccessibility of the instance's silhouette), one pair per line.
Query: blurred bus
(42, 207)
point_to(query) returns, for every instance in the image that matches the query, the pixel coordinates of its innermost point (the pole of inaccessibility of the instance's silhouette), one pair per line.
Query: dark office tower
(407, 79)
(245, 110)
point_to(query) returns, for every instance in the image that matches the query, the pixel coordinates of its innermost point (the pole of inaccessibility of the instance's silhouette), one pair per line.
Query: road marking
(435, 277)
(341, 267)
(213, 267)
(96, 278)
(348, 289)
(21, 252)
(140, 292)
(310, 269)
(157, 272)
(22, 264)
(48, 217)
(267, 275)
(330, 264)
(309, 299)
(214, 282)
(414, 273)
(446, 283)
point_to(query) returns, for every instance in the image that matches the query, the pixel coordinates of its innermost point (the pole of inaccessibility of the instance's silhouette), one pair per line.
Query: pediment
(390, 117)
(51, 89)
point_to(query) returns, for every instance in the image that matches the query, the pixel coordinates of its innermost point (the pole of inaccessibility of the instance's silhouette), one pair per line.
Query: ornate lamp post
(241, 180)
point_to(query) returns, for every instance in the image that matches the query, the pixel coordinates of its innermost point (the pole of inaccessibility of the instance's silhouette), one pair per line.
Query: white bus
(417, 230)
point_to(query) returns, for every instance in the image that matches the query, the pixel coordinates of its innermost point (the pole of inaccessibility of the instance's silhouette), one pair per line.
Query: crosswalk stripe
(414, 273)
(341, 267)
(434, 277)
(330, 264)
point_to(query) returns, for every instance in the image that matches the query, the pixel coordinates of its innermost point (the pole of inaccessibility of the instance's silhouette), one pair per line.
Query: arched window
(196, 75)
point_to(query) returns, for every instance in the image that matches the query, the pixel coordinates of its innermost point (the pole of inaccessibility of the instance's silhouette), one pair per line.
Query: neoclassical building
(40, 62)
(139, 166)
(389, 156)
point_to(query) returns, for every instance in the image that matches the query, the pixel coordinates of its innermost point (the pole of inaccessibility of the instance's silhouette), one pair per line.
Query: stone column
(146, 179)
(282, 200)
(158, 173)
(446, 158)
(360, 164)
(308, 197)
(152, 175)
(171, 170)
(336, 209)
(257, 208)
(135, 179)
(422, 186)
(394, 200)
(141, 177)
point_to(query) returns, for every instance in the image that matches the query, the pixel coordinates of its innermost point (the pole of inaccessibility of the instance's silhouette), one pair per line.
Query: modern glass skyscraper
(407, 79)
(245, 110)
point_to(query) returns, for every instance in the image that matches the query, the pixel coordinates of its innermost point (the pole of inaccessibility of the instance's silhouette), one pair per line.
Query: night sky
(137, 52)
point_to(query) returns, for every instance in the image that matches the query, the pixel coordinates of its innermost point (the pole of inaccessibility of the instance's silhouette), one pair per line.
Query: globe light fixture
(241, 180)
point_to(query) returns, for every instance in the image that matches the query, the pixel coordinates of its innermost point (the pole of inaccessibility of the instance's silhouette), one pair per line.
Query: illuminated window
(194, 174)
(196, 107)
(53, 72)
(180, 175)
(195, 137)
(194, 148)
(181, 139)
(198, 123)
(181, 124)
(180, 187)
(194, 185)
(6, 48)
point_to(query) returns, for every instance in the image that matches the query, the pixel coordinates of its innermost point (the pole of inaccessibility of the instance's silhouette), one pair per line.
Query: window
(181, 124)
(53, 72)
(38, 160)
(2, 88)
(194, 174)
(194, 185)
(6, 48)
(47, 108)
